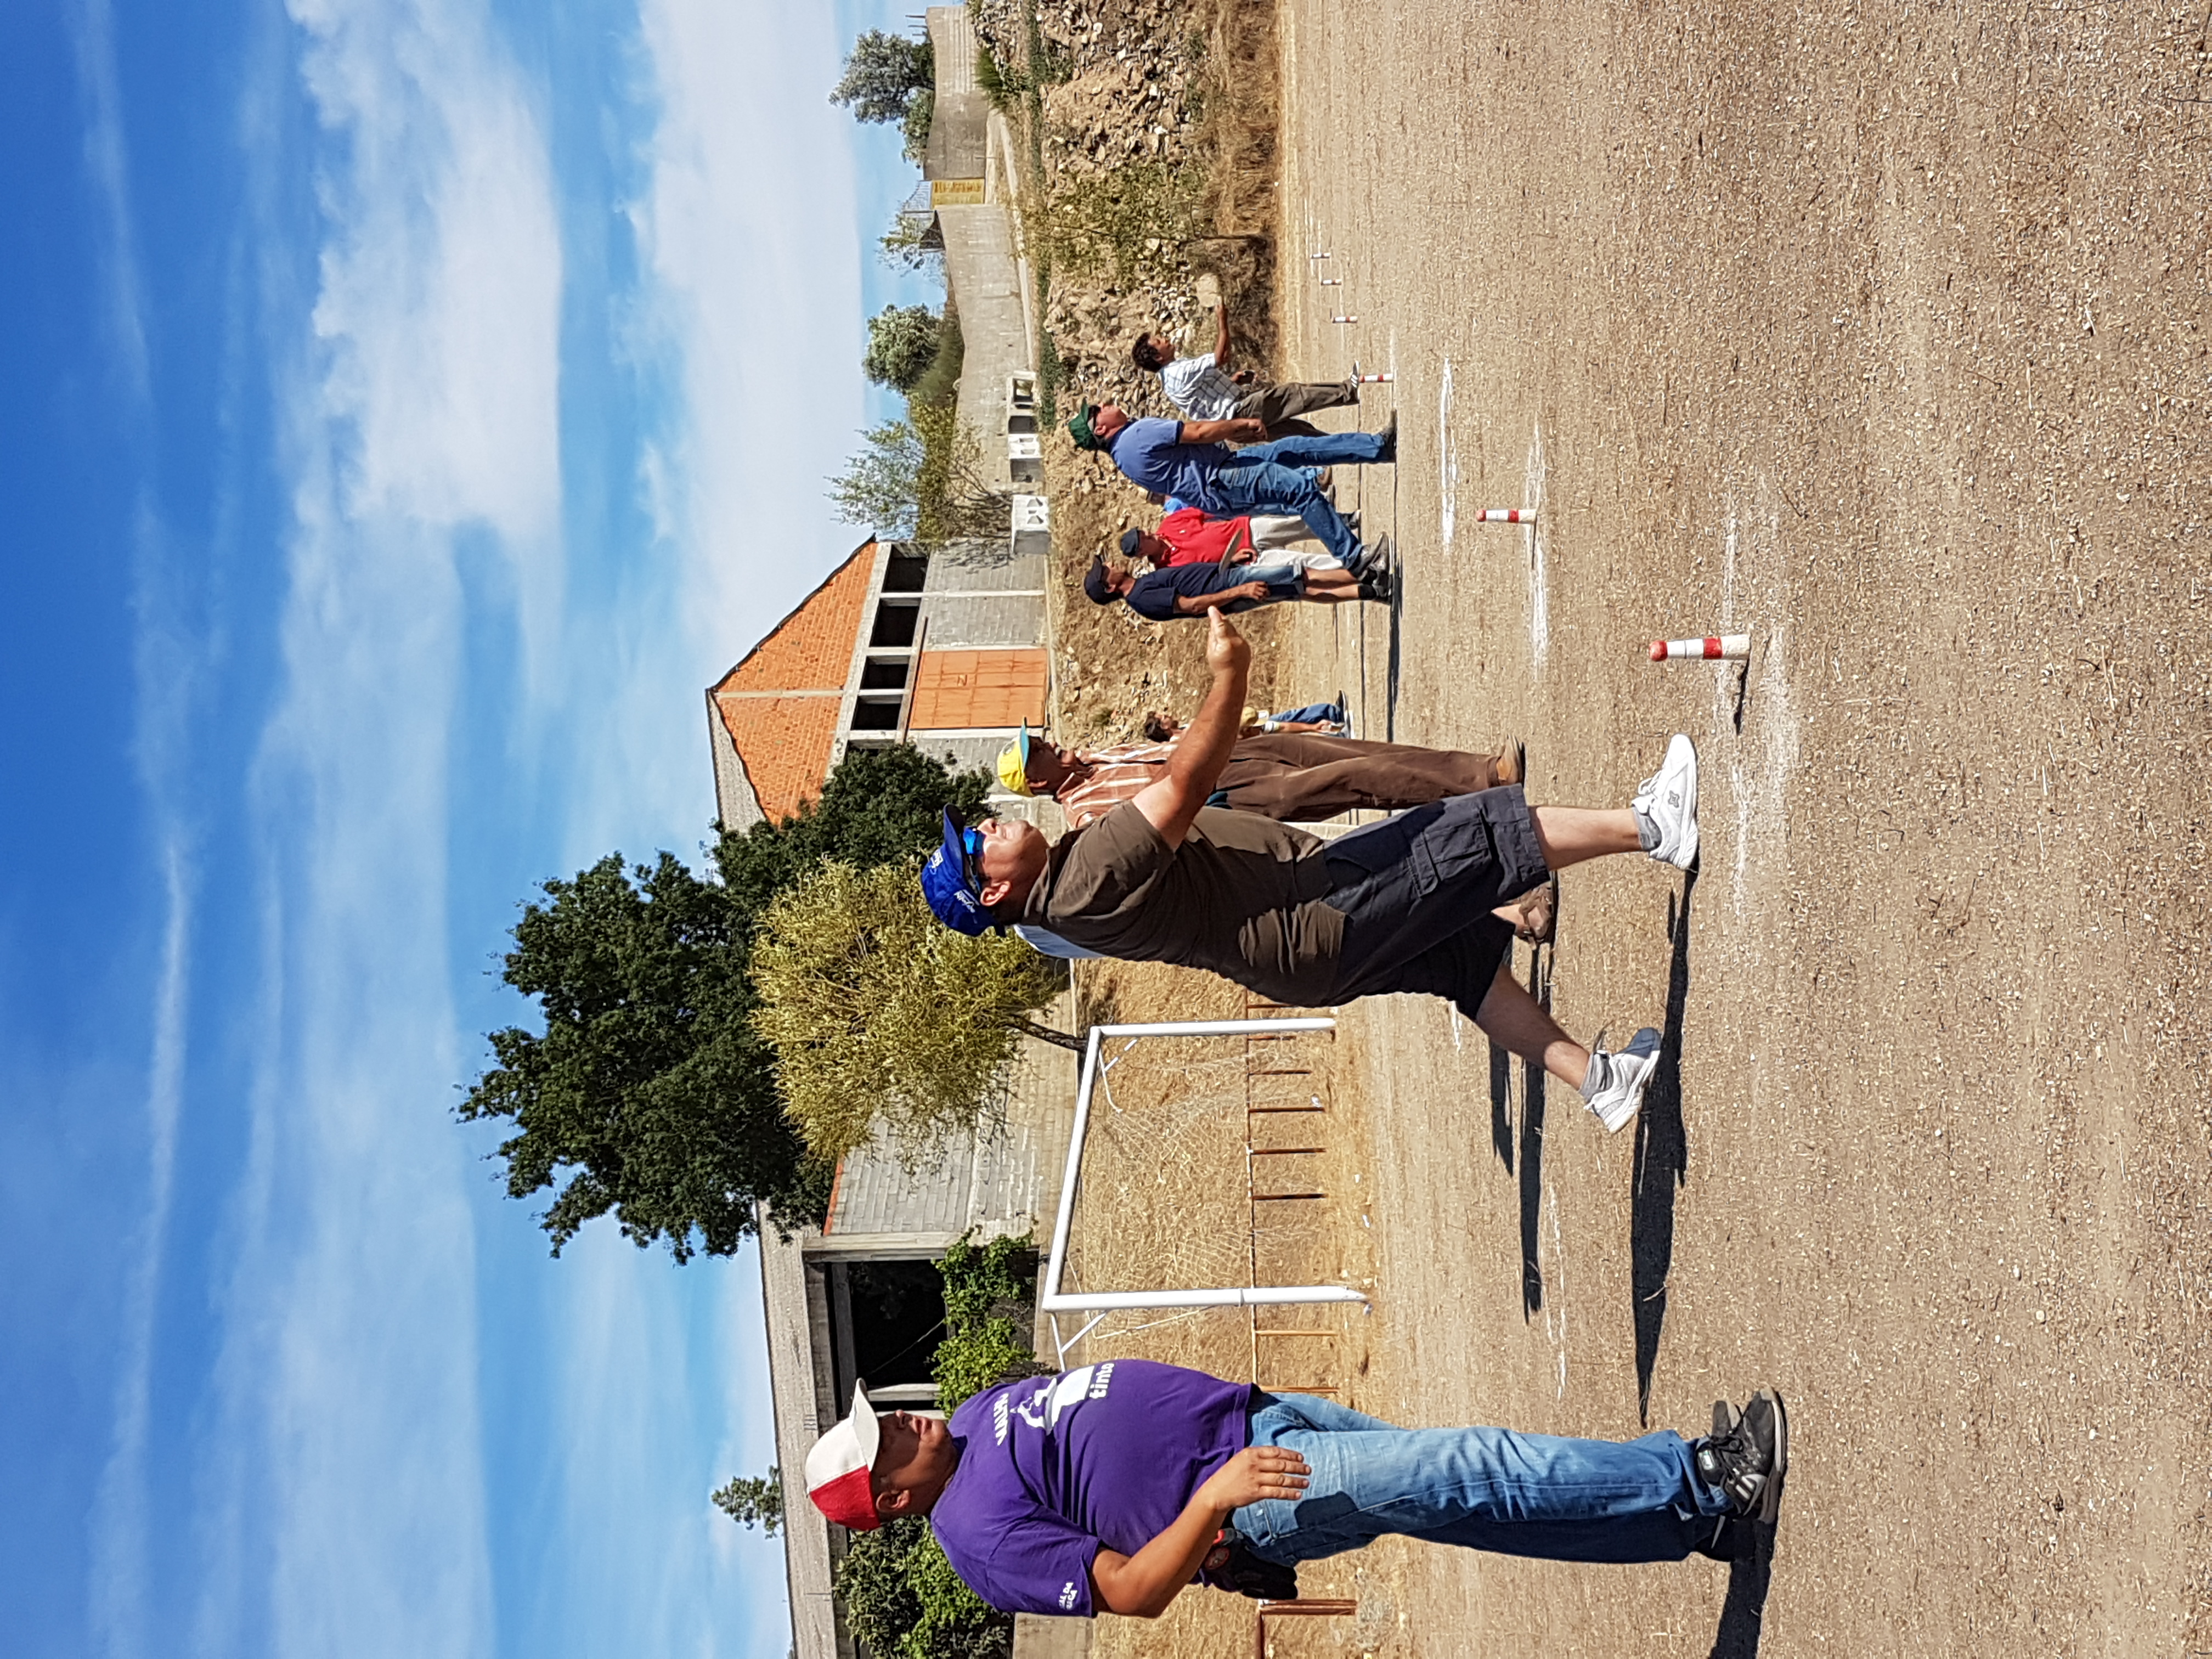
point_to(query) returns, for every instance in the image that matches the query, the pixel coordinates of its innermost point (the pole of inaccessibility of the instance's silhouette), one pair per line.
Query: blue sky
(410, 405)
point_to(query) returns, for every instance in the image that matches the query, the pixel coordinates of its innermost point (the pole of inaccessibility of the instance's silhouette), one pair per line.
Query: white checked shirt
(1202, 391)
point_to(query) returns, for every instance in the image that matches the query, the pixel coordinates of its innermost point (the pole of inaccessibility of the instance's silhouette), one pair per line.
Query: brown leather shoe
(1540, 912)
(1511, 765)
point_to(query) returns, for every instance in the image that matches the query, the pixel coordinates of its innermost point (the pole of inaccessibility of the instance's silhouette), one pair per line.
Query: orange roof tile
(785, 741)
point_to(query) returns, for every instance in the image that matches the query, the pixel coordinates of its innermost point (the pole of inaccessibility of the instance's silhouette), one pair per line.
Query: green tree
(649, 1093)
(880, 488)
(754, 1500)
(902, 343)
(920, 480)
(878, 1013)
(881, 75)
(920, 114)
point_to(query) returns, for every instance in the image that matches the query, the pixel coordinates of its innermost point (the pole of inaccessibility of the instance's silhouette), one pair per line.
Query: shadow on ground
(1661, 1160)
(1743, 1614)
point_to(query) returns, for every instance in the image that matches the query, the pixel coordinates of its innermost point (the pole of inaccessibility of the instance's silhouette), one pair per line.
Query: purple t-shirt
(1152, 454)
(1053, 1466)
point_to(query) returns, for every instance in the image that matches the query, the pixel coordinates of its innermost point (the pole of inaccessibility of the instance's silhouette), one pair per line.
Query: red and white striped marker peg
(1332, 282)
(1344, 319)
(1375, 380)
(1506, 515)
(1727, 648)
(1316, 256)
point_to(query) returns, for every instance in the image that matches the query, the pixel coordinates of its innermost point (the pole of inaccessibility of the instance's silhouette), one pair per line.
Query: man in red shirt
(1192, 535)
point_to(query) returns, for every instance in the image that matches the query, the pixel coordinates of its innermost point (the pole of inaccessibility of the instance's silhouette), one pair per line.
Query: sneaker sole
(1686, 855)
(1770, 1501)
(1617, 1120)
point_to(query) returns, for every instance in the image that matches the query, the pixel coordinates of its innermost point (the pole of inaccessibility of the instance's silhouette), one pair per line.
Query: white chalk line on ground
(1540, 611)
(1555, 1286)
(1447, 464)
(1759, 791)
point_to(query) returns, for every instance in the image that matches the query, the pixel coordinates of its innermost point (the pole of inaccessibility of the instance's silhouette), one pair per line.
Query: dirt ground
(1877, 331)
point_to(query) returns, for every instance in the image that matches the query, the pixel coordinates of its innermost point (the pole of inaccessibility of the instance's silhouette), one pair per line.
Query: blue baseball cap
(951, 883)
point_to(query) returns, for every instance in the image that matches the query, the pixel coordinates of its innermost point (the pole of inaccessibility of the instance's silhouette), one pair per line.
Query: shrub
(902, 1599)
(903, 342)
(988, 1294)
(884, 75)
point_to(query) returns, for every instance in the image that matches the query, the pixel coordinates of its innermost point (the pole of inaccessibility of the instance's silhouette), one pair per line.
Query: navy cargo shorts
(1417, 893)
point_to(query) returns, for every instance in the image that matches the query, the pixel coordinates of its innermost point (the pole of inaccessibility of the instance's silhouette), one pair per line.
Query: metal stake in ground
(1725, 648)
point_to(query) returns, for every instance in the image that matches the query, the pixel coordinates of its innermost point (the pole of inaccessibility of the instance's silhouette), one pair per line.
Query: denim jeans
(1486, 1489)
(1274, 478)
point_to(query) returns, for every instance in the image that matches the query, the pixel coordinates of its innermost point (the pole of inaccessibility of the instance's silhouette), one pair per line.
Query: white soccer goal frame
(1053, 1302)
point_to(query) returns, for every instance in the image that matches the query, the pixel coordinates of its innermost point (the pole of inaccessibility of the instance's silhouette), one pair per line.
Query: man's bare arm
(1142, 1585)
(1222, 432)
(1172, 804)
(1190, 604)
(1221, 338)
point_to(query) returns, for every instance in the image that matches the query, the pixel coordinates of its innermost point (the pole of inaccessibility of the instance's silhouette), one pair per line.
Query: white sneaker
(1668, 799)
(1623, 1078)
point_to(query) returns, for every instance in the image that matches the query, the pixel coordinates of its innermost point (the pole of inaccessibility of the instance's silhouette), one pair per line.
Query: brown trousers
(1297, 777)
(1278, 405)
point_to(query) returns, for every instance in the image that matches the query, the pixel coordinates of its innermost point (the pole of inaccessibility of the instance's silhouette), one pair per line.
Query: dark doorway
(892, 1315)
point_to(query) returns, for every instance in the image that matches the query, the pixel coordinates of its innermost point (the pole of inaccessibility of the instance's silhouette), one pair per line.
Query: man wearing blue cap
(1407, 905)
(1192, 461)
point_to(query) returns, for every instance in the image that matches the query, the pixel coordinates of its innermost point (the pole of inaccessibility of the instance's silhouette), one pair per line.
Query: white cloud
(752, 298)
(348, 1512)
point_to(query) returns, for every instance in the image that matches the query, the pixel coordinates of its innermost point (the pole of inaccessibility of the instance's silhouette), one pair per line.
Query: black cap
(1131, 540)
(1095, 585)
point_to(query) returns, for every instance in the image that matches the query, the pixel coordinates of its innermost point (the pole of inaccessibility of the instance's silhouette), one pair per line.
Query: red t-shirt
(1195, 538)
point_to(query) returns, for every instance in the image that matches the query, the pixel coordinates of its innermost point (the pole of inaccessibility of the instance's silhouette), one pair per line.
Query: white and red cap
(837, 1467)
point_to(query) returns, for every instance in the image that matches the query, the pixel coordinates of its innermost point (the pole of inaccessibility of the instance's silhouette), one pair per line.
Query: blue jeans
(1274, 478)
(1312, 711)
(1485, 1489)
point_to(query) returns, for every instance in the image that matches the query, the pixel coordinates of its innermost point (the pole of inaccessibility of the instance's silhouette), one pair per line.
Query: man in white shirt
(1209, 388)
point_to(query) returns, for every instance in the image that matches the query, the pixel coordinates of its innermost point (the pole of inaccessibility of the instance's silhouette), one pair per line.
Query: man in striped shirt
(1209, 388)
(1291, 778)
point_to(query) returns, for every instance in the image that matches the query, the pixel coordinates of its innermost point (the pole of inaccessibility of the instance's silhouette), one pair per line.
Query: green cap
(1078, 428)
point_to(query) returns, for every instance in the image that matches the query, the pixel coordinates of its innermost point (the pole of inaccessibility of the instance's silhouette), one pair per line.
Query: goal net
(1200, 1175)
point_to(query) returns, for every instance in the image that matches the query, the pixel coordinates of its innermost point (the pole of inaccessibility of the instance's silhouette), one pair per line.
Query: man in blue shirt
(1192, 460)
(1110, 1487)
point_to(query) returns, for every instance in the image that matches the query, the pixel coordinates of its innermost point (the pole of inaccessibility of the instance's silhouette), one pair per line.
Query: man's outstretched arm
(1241, 430)
(1221, 335)
(1172, 804)
(1142, 1585)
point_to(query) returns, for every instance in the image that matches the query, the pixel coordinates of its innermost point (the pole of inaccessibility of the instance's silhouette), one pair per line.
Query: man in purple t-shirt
(1110, 1487)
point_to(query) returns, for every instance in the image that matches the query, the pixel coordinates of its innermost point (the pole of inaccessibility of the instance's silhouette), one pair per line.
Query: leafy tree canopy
(878, 1013)
(920, 480)
(648, 1094)
(883, 74)
(754, 1500)
(902, 344)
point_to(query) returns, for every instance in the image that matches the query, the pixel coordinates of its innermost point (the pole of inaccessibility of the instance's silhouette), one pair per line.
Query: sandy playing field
(1877, 331)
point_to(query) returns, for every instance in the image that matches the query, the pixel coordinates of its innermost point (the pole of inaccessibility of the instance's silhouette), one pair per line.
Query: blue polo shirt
(1150, 453)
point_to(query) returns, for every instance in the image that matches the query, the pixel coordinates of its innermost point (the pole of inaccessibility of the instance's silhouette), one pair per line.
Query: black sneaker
(1379, 589)
(1748, 1453)
(1389, 434)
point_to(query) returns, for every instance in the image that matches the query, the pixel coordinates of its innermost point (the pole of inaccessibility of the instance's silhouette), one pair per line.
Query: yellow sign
(956, 193)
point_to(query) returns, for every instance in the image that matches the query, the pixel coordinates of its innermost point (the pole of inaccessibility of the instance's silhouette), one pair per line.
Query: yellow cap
(1014, 764)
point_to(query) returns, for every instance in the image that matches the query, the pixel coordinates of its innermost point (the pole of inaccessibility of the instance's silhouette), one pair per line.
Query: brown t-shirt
(1243, 896)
